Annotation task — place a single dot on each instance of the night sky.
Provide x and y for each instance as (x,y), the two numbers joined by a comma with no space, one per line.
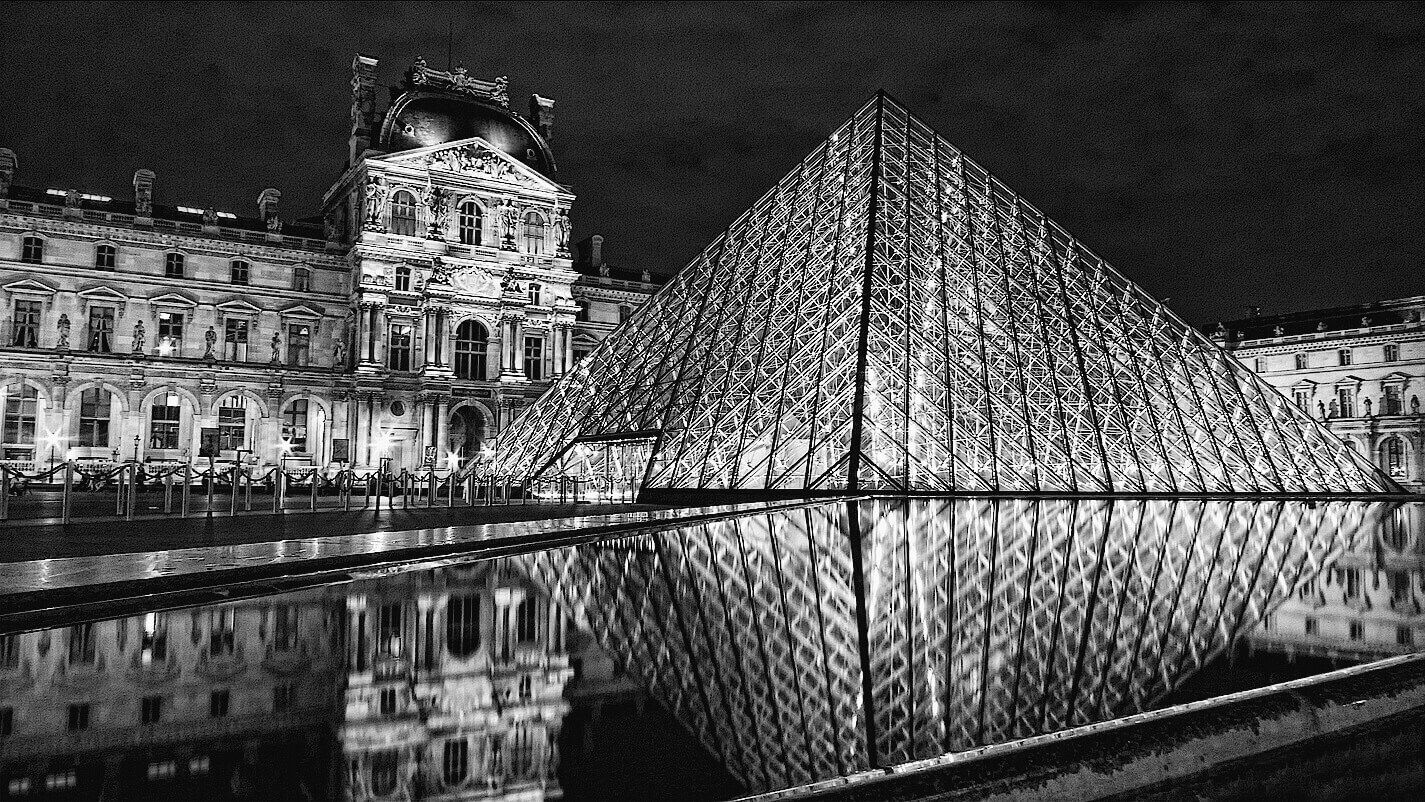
(1222,155)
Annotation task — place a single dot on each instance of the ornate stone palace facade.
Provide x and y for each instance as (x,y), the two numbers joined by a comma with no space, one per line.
(1360,369)
(435,296)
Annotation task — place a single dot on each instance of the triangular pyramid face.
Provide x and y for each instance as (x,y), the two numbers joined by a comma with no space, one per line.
(892,317)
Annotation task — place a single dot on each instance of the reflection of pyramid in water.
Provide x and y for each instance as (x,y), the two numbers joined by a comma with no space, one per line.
(891,316)
(984,620)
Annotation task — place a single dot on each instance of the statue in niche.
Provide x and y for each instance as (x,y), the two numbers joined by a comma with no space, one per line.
(139,337)
(561,232)
(509,219)
(63,344)
(440,271)
(1220,331)
(376,192)
(1366,322)
(276,348)
(210,338)
(508,284)
(437,201)
(339,356)
(1414,405)
(646,277)
(1368,407)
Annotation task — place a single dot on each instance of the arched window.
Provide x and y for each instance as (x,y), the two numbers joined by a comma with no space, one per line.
(32,250)
(533,233)
(462,625)
(1393,456)
(294,425)
(470,223)
(471,343)
(104,257)
(455,761)
(403,213)
(163,420)
(238,271)
(94,405)
(232,423)
(21,402)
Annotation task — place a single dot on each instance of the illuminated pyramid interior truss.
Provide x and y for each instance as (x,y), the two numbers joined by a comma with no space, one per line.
(890,316)
(787,642)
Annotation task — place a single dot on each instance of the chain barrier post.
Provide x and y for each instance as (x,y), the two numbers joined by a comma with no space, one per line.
(187,489)
(168,492)
(343,479)
(119,473)
(279,489)
(4,492)
(233,500)
(133,494)
(209,476)
(68,491)
(313,477)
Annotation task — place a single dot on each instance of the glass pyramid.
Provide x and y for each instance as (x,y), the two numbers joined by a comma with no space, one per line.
(891,317)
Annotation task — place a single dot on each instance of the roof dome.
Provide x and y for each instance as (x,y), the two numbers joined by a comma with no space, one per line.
(419,119)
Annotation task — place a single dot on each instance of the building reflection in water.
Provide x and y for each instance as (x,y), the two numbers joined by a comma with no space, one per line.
(444,684)
(786,643)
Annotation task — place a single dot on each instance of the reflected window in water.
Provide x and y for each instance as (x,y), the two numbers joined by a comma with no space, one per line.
(462,625)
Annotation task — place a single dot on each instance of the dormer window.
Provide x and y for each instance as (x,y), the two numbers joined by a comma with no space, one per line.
(238,271)
(104,257)
(33,250)
(403,213)
(173,265)
(533,233)
(470,223)
(403,278)
(302,279)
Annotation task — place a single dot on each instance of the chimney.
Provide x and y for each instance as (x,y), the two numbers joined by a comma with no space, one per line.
(363,105)
(8,165)
(143,195)
(596,250)
(541,112)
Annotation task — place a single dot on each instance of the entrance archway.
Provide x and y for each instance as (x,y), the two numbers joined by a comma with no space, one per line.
(466,432)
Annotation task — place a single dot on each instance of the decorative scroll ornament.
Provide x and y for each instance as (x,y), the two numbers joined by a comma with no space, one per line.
(501,93)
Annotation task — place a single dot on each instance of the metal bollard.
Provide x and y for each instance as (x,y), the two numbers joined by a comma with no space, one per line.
(430,489)
(279,489)
(68,491)
(313,477)
(232,502)
(187,488)
(168,493)
(119,473)
(133,494)
(4,492)
(210,476)
(343,480)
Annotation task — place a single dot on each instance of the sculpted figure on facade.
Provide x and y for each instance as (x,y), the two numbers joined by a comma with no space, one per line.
(509,219)
(561,232)
(274,225)
(437,202)
(63,343)
(210,216)
(339,356)
(210,338)
(139,337)
(376,192)
(276,348)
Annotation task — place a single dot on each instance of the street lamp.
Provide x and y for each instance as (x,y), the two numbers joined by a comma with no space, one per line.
(53,439)
(136,448)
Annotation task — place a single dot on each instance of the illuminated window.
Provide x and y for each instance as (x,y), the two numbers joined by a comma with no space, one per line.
(388,629)
(471,343)
(25,331)
(21,402)
(403,213)
(94,407)
(32,251)
(235,339)
(170,333)
(153,646)
(1393,456)
(302,279)
(533,233)
(173,265)
(232,423)
(104,257)
(470,223)
(164,419)
(294,425)
(238,271)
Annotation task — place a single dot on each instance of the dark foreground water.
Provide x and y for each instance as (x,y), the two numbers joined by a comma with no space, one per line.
(712,660)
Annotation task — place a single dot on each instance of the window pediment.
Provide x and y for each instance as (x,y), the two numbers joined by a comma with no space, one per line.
(29,286)
(301,311)
(103,293)
(239,307)
(173,299)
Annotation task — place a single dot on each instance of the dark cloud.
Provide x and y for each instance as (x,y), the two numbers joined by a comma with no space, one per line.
(1221,154)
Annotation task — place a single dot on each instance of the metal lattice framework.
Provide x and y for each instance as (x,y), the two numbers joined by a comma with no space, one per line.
(891,316)
(786,642)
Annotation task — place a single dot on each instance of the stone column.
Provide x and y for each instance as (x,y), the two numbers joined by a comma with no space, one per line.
(519,347)
(442,334)
(566,353)
(359,341)
(381,345)
(371,333)
(442,427)
(428,337)
(358,442)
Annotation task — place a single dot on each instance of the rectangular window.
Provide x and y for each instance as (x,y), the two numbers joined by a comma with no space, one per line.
(94,405)
(151,710)
(580,354)
(398,348)
(403,278)
(1391,403)
(284,628)
(1302,399)
(1392,353)
(222,632)
(1343,356)
(25,333)
(299,343)
(282,696)
(7,722)
(388,629)
(388,701)
(1259,365)
(153,648)
(9,651)
(534,358)
(101,329)
(79,717)
(21,402)
(104,257)
(1358,630)
(33,251)
(164,419)
(218,703)
(1345,403)
(235,339)
(1404,636)
(238,271)
(170,333)
(232,423)
(1301,362)
(82,644)
(1311,628)
(294,425)
(302,280)
(173,265)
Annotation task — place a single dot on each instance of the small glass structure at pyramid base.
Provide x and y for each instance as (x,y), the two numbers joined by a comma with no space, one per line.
(891,317)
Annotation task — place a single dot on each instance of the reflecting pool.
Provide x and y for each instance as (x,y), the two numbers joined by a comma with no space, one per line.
(728,657)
